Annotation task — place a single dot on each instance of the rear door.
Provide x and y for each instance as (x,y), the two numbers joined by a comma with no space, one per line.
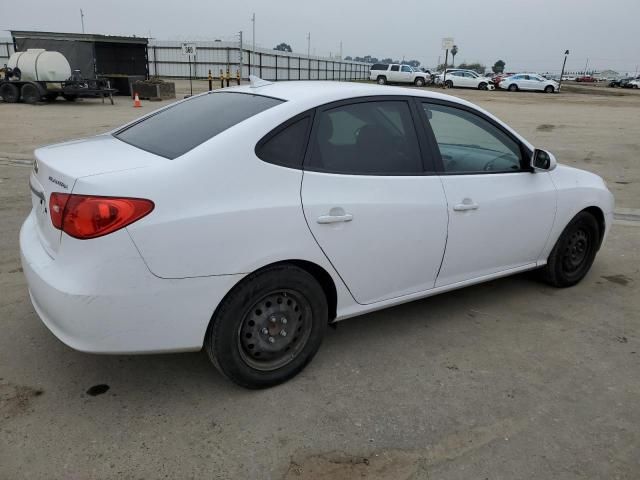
(394,73)
(378,217)
(500,213)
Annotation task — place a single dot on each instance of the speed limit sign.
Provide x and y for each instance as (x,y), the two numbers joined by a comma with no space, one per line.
(188,49)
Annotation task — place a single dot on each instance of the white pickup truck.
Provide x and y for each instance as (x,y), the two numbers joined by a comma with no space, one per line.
(396,73)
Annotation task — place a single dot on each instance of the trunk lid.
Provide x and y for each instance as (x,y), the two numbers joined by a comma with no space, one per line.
(57,167)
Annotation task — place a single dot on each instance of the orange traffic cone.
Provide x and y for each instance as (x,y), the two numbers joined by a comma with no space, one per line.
(136,101)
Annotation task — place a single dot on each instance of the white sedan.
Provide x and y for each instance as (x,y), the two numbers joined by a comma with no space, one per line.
(529,81)
(246,220)
(466,79)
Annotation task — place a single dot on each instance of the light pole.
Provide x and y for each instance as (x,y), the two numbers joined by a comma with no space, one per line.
(253,53)
(566,54)
(309,45)
(82,19)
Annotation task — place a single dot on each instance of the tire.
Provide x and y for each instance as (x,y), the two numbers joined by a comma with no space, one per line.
(31,94)
(574,252)
(513,87)
(549,89)
(419,82)
(482,86)
(448,84)
(635,86)
(9,93)
(245,340)
(381,80)
(69,97)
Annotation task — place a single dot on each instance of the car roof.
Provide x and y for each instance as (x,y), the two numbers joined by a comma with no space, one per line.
(321,92)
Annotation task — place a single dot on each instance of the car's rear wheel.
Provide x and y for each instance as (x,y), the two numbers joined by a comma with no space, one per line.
(548,89)
(419,82)
(449,84)
(513,87)
(574,252)
(268,327)
(382,80)
(482,86)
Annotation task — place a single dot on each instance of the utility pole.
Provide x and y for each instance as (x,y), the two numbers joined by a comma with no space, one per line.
(253,60)
(585,66)
(240,55)
(82,19)
(566,53)
(309,44)
(340,49)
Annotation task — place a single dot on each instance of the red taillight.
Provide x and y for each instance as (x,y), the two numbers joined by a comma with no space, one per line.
(87,216)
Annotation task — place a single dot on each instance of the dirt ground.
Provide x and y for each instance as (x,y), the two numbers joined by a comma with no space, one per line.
(507,380)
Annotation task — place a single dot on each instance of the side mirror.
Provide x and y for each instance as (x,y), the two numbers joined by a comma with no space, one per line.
(543,160)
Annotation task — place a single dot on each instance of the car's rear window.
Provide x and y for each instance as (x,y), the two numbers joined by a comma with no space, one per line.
(182,127)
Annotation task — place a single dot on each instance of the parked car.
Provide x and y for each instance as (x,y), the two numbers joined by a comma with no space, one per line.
(500,76)
(633,83)
(620,82)
(193,227)
(466,79)
(396,73)
(586,79)
(529,81)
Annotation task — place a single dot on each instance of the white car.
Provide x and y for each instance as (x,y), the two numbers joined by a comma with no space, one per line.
(529,81)
(245,220)
(396,73)
(466,79)
(634,83)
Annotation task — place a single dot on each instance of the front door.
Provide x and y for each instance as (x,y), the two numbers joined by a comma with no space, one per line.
(379,219)
(500,213)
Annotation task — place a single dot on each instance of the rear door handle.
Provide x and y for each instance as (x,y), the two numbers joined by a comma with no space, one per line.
(464,206)
(336,215)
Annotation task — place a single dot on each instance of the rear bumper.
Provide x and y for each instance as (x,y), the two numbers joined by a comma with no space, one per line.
(100,297)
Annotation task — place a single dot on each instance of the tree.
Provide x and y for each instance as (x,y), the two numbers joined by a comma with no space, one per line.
(283,47)
(386,60)
(454,52)
(498,67)
(413,63)
(348,58)
(476,67)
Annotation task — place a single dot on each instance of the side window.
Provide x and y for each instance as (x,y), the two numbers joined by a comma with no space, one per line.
(286,147)
(394,68)
(368,138)
(471,144)
(406,68)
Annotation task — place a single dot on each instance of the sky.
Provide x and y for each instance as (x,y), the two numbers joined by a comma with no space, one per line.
(527,35)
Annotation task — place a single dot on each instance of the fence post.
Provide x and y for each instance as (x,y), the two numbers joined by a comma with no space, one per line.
(260,56)
(288,67)
(309,68)
(299,68)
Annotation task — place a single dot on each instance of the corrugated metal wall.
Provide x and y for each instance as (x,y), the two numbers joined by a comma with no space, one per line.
(166,60)
(6,50)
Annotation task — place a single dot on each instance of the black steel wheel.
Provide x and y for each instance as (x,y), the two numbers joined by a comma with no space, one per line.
(574,252)
(268,327)
(31,93)
(9,93)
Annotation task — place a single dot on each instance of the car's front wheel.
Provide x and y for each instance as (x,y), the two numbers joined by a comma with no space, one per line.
(574,252)
(548,89)
(482,86)
(449,84)
(419,82)
(268,327)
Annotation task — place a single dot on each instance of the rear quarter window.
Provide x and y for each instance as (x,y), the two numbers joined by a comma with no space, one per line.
(174,131)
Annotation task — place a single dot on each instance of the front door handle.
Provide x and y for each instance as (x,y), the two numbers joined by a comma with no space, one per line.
(467,204)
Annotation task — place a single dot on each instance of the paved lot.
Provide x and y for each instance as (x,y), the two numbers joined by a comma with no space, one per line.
(507,380)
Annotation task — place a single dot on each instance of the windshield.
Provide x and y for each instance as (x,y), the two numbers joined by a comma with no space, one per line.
(174,131)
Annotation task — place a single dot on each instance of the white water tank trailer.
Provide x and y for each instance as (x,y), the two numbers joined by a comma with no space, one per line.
(36,75)
(38,65)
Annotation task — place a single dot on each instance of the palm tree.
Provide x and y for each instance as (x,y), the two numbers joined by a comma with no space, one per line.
(454,51)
